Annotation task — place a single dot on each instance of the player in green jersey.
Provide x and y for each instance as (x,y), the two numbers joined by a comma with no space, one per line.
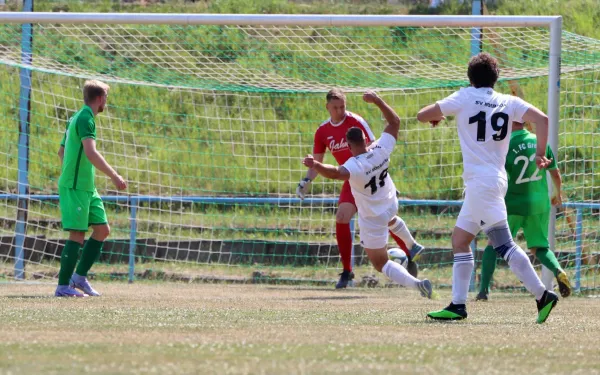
(528,207)
(80,204)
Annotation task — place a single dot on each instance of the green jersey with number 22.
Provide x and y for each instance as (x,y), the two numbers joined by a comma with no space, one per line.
(527,185)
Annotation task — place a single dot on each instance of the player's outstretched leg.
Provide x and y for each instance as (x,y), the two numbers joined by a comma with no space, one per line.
(412,267)
(488,266)
(398,227)
(397,273)
(520,264)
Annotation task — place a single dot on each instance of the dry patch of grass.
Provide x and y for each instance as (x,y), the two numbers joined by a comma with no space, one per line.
(173,328)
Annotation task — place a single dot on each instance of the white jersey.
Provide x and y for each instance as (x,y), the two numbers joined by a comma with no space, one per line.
(373,189)
(484,119)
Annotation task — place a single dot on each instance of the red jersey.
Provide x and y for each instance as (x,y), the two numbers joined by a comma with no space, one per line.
(333,136)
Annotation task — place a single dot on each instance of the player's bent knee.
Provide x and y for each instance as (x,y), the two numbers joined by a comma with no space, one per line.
(378,258)
(378,265)
(101,232)
(501,239)
(393,221)
(461,240)
(345,213)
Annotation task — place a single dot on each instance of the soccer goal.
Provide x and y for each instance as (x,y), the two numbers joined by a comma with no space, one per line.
(209,115)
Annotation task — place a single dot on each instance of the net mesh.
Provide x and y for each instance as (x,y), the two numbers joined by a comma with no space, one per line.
(206,122)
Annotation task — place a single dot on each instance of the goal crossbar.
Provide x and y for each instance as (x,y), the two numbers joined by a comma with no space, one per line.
(278,19)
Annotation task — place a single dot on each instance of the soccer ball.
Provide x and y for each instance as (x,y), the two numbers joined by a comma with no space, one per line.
(399,256)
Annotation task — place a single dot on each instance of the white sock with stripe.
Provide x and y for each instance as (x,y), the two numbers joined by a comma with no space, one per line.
(400,229)
(521,266)
(461,277)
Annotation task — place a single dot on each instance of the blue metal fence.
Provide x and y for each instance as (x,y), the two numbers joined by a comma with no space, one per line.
(133,203)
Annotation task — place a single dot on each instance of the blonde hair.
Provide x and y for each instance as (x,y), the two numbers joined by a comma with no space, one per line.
(93,89)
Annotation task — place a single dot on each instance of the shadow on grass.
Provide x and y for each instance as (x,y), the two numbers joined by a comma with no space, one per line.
(31,297)
(307,288)
(329,298)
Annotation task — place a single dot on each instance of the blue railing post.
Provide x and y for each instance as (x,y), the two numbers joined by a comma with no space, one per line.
(352,233)
(474,273)
(133,206)
(23,149)
(476,10)
(578,249)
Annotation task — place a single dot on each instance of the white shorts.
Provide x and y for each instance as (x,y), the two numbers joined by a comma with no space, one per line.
(483,205)
(374,231)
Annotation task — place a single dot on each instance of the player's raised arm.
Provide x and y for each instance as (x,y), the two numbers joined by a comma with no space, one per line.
(391,117)
(541,129)
(326,170)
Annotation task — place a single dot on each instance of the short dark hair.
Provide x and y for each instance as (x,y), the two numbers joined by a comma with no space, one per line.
(335,94)
(483,70)
(355,136)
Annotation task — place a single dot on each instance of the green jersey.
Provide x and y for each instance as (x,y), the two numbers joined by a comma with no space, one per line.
(77,170)
(527,192)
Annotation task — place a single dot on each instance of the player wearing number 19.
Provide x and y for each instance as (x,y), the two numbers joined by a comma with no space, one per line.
(374,192)
(80,204)
(483,119)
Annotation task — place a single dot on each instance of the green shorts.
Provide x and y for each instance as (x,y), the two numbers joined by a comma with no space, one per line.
(535,229)
(79,209)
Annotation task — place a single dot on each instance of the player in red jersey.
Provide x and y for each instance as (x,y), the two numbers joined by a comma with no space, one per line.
(331,135)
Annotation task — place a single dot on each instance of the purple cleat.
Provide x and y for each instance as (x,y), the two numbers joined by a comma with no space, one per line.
(67,291)
(81,283)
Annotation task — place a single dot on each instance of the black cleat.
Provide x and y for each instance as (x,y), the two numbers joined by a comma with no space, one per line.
(481,296)
(452,312)
(545,305)
(413,268)
(345,278)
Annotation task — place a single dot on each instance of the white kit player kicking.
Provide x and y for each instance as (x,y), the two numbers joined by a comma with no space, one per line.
(483,119)
(375,194)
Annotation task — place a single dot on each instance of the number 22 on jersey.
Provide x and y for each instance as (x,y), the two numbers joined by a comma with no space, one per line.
(534,177)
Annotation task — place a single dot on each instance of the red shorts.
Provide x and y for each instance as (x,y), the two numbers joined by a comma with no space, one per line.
(346,194)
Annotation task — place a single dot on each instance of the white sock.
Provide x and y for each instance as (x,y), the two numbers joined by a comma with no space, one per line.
(521,266)
(461,277)
(400,229)
(399,274)
(547,278)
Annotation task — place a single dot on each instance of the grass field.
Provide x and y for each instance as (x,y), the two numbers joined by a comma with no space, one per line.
(172,328)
